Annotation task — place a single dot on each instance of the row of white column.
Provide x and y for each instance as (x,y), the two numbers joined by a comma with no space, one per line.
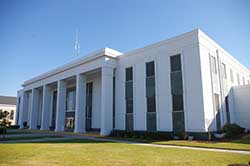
(106,104)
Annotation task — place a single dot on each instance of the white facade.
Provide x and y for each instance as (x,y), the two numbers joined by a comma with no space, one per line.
(105,70)
(8,104)
(240,106)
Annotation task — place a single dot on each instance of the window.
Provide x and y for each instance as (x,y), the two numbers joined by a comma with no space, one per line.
(11,114)
(1,111)
(177,101)
(231,75)
(177,94)
(129,74)
(238,78)
(129,106)
(150,96)
(244,81)
(213,64)
(89,98)
(150,69)
(175,62)
(217,110)
(150,86)
(223,70)
(151,104)
(71,97)
(176,82)
(129,98)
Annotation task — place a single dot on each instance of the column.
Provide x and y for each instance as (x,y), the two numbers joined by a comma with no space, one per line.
(23,111)
(80,104)
(34,108)
(46,106)
(107,101)
(61,104)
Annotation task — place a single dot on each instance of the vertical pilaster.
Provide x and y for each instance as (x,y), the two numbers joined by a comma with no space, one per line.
(46,106)
(23,112)
(107,101)
(61,104)
(80,104)
(34,108)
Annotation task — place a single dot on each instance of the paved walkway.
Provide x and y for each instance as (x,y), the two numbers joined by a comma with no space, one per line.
(81,136)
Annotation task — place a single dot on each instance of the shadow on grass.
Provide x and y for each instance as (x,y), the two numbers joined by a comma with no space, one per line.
(64,141)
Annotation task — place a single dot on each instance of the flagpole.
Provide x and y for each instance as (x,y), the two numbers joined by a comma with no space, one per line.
(77,44)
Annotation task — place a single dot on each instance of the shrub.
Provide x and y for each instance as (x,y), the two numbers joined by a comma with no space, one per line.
(3,130)
(232,130)
(25,124)
(14,127)
(142,135)
(182,135)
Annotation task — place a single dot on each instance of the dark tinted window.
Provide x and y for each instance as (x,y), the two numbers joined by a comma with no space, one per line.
(129,122)
(177,101)
(129,105)
(151,121)
(151,104)
(176,82)
(150,69)
(11,114)
(175,62)
(150,86)
(129,90)
(178,122)
(129,74)
(71,99)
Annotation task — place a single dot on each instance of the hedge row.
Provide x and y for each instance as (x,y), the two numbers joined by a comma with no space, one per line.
(142,135)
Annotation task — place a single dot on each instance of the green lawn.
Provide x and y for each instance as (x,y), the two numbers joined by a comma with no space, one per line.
(241,144)
(86,153)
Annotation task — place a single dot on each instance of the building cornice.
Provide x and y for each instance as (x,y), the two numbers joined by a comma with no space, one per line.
(87,58)
(212,42)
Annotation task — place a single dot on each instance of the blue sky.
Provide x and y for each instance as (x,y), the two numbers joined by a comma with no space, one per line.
(36,36)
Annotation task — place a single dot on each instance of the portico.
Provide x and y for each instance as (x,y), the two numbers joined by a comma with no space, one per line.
(63,98)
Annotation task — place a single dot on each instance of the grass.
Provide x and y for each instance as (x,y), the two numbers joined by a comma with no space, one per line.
(19,132)
(94,153)
(239,144)
(29,138)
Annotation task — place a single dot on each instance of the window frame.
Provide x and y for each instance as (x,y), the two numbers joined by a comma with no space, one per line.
(224,70)
(232,75)
(69,97)
(213,65)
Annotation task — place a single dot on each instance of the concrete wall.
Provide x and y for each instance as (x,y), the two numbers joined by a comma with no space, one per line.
(96,105)
(214,83)
(240,105)
(187,46)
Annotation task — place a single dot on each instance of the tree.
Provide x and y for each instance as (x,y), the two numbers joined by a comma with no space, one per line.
(3,115)
(4,122)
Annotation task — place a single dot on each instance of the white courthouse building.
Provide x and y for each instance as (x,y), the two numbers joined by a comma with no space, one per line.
(176,85)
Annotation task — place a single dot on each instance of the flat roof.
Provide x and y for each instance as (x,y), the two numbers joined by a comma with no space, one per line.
(99,53)
(8,100)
